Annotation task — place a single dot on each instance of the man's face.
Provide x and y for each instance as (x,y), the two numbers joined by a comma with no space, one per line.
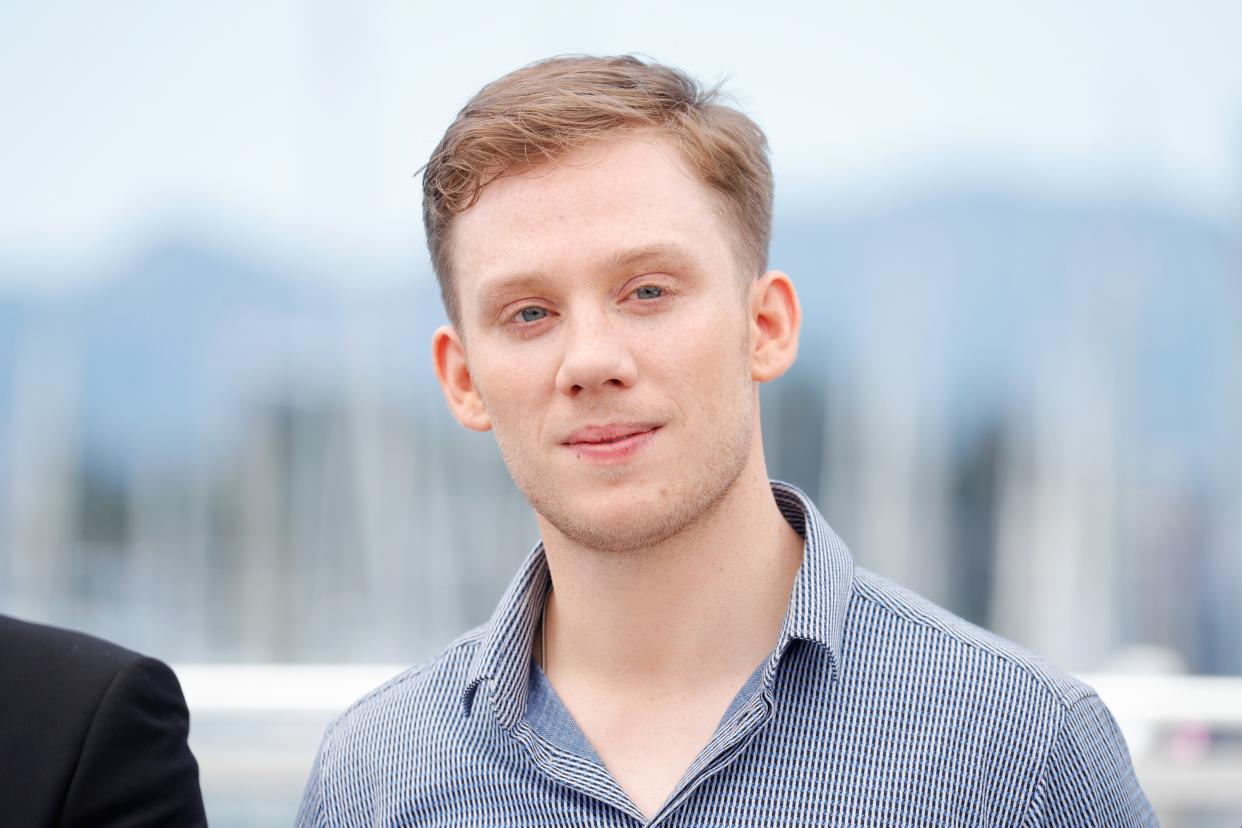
(605,328)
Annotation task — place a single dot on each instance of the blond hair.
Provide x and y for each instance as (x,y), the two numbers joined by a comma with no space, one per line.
(545,110)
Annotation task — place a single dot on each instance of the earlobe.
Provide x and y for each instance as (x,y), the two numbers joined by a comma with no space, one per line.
(776,322)
(449,357)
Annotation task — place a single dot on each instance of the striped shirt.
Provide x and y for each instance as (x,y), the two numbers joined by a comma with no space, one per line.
(876,708)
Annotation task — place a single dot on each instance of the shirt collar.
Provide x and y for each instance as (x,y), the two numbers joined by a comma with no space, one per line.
(503,656)
(816,610)
(822,588)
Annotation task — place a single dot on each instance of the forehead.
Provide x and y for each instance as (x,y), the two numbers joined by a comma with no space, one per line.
(580,211)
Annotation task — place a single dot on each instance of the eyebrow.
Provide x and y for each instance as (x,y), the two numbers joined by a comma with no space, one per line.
(494,291)
(660,250)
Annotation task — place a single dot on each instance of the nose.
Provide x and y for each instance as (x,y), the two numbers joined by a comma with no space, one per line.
(596,357)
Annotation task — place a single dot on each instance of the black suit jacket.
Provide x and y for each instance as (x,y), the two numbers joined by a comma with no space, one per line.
(91,734)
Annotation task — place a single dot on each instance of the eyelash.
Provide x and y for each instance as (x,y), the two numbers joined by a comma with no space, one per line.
(515,322)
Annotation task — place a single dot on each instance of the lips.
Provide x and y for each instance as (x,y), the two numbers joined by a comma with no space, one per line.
(612,433)
(612,444)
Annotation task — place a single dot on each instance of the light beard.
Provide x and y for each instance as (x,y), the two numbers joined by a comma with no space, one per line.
(688,502)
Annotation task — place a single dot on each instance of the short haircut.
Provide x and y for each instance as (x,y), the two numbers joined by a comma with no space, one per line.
(543,111)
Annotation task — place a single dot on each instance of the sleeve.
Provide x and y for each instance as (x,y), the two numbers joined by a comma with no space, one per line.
(136,768)
(1087,777)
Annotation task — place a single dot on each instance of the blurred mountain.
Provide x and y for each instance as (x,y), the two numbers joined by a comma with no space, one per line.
(170,344)
(1006,279)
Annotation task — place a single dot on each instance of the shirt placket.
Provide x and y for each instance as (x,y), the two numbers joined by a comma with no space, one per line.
(575,772)
(594,780)
(725,748)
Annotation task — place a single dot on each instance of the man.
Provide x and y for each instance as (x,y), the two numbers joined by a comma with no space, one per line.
(91,734)
(690,644)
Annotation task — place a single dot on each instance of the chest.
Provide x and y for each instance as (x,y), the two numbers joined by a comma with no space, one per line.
(839,770)
(648,746)
(818,758)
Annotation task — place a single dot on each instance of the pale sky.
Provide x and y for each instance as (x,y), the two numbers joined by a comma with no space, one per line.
(297,126)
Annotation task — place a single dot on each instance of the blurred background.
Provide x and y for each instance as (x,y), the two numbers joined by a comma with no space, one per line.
(1017,236)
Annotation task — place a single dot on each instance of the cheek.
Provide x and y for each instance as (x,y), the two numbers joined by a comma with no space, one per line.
(719,347)
(510,388)
(711,364)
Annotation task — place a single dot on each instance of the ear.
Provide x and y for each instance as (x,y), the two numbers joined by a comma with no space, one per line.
(775,323)
(449,356)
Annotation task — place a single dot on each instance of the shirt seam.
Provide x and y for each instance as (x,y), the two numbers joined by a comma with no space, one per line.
(1040,779)
(865,592)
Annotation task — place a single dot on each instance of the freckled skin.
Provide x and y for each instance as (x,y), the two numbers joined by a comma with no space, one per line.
(610,348)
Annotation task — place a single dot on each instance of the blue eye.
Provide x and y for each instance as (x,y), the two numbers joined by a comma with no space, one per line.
(649,292)
(532,314)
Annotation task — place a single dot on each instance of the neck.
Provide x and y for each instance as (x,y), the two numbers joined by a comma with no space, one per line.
(706,603)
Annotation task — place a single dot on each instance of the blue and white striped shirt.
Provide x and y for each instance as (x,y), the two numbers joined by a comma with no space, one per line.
(876,708)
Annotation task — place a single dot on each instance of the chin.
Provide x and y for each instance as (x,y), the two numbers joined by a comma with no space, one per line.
(629,518)
(616,536)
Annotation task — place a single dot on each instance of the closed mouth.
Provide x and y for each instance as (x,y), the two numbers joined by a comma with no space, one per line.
(607,434)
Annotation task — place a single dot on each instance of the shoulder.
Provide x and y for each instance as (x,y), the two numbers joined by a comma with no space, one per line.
(405,751)
(929,640)
(404,712)
(135,758)
(1041,737)
(401,737)
(101,730)
(62,675)
(39,652)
